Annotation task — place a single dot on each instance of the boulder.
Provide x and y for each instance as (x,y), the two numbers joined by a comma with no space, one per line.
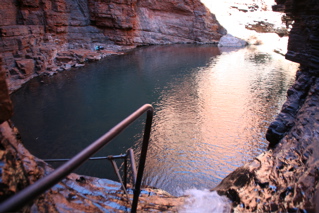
(26,66)
(231,41)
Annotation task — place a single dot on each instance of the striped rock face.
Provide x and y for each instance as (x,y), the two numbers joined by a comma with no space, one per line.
(34,33)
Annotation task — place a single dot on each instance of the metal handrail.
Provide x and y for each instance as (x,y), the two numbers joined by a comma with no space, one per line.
(31,192)
(111,158)
(92,158)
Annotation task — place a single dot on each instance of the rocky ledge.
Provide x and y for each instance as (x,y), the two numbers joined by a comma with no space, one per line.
(46,36)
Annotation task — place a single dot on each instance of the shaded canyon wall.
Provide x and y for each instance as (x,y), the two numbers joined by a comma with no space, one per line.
(42,36)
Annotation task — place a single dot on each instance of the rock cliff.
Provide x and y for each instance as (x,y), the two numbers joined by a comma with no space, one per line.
(285,178)
(303,48)
(45,36)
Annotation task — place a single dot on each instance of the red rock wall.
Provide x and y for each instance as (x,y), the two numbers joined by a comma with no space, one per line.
(34,32)
(156,22)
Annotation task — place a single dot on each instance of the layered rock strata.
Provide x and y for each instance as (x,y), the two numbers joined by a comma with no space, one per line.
(285,178)
(54,35)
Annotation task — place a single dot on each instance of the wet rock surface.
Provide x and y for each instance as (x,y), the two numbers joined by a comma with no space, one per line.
(285,178)
(296,96)
(34,34)
(282,179)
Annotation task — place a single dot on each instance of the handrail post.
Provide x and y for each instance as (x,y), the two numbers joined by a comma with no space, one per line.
(133,165)
(25,196)
(147,132)
(125,172)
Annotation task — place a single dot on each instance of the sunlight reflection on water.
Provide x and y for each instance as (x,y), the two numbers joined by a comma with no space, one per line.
(212,109)
(214,119)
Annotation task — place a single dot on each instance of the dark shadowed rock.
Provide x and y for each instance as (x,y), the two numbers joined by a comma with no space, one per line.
(285,178)
(6,109)
(295,99)
(302,48)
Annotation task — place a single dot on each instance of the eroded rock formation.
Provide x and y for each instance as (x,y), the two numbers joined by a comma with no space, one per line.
(285,178)
(303,48)
(54,35)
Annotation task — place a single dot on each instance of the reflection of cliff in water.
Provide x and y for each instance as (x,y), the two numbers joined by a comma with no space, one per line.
(70,110)
(211,110)
(214,123)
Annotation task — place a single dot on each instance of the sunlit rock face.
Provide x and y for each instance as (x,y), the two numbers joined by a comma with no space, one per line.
(285,178)
(156,22)
(34,33)
(253,21)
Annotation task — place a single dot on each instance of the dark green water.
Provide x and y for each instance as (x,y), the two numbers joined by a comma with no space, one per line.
(212,109)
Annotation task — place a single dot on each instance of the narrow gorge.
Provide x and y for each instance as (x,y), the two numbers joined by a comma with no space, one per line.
(45,37)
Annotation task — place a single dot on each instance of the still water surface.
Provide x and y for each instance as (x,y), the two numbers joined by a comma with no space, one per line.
(212,109)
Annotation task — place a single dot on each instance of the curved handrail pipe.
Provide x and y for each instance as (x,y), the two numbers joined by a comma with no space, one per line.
(31,192)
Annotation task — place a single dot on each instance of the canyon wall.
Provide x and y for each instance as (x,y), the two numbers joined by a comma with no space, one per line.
(46,36)
(303,48)
(286,177)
